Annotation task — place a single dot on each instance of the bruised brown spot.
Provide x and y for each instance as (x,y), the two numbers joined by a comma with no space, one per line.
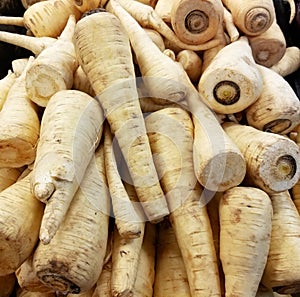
(235,218)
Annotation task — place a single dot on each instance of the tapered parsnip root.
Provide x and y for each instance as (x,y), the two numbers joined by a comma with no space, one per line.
(245,235)
(20,126)
(251,17)
(170,273)
(272,160)
(196,22)
(54,68)
(277,109)
(73,260)
(282,273)
(268,47)
(12,21)
(231,85)
(229,25)
(20,219)
(71,129)
(49,18)
(99,40)
(289,63)
(163,9)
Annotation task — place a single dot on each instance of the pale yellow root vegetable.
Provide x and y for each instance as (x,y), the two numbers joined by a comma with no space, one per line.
(25,293)
(20,220)
(272,160)
(277,109)
(170,133)
(54,68)
(99,40)
(282,271)
(196,22)
(295,191)
(7,284)
(143,286)
(27,278)
(229,25)
(73,260)
(156,38)
(18,65)
(20,126)
(103,285)
(170,53)
(252,17)
(289,63)
(82,83)
(12,21)
(192,64)
(230,85)
(71,128)
(128,218)
(163,9)
(292,10)
(125,260)
(49,18)
(147,17)
(245,235)
(86,5)
(170,272)
(268,47)
(8,176)
(5,84)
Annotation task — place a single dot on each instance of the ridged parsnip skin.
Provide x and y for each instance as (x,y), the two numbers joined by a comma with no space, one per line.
(282,271)
(54,67)
(48,18)
(8,176)
(170,272)
(245,235)
(5,83)
(230,85)
(128,218)
(170,133)
(73,260)
(272,160)
(277,109)
(251,17)
(104,53)
(81,82)
(195,22)
(269,47)
(20,219)
(7,284)
(295,191)
(103,285)
(144,281)
(125,260)
(20,126)
(71,128)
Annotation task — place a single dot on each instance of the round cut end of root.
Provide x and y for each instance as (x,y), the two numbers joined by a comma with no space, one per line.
(257,20)
(227,92)
(196,21)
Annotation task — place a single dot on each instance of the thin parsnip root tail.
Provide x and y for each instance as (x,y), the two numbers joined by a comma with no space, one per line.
(99,40)
(272,160)
(230,85)
(282,273)
(229,25)
(64,152)
(245,235)
(277,109)
(20,126)
(73,260)
(12,21)
(53,69)
(21,216)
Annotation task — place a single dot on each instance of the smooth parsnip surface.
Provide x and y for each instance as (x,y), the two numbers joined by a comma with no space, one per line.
(104,53)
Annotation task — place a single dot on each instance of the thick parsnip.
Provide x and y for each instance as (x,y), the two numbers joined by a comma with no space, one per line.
(73,260)
(245,235)
(8,176)
(99,40)
(71,129)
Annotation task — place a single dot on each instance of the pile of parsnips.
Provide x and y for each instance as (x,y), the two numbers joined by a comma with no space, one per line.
(142,157)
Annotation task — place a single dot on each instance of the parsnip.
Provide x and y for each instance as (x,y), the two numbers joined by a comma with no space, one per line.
(5,84)
(8,176)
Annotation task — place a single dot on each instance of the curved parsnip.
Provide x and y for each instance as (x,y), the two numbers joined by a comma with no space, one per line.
(71,129)
(196,22)
(20,126)
(245,235)
(277,109)
(5,83)
(99,40)
(20,219)
(54,68)
(73,260)
(230,85)
(272,160)
(282,271)
(252,17)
